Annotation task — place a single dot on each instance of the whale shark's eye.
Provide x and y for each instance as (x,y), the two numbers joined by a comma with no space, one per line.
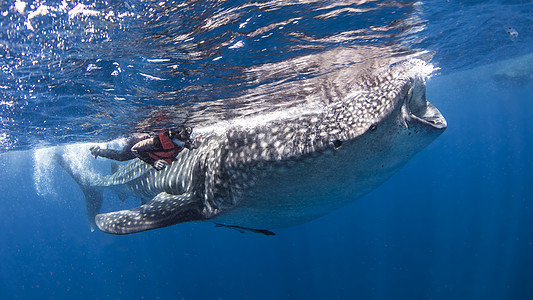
(373,127)
(337,143)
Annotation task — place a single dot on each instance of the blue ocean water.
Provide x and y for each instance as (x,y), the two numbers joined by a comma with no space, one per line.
(454,223)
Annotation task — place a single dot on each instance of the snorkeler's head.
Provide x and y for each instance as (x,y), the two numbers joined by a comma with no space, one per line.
(181,133)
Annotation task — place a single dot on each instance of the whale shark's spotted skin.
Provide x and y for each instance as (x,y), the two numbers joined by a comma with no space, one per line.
(287,169)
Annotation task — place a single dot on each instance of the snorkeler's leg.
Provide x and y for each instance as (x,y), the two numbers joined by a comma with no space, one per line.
(119,155)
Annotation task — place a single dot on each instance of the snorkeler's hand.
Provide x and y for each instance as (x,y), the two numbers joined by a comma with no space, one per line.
(95,150)
(160,164)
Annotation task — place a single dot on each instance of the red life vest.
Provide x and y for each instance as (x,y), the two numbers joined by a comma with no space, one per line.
(170,150)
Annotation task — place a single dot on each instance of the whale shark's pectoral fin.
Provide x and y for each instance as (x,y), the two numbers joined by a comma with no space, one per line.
(164,210)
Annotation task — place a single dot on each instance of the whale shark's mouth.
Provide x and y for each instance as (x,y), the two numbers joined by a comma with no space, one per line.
(419,109)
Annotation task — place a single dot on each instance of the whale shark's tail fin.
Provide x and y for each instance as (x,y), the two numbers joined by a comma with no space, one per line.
(93,195)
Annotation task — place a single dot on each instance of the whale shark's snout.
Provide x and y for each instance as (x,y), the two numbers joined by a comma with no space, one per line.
(417,110)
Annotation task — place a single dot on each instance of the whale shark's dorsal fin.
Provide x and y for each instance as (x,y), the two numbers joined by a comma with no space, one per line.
(164,210)
(114,167)
(122,197)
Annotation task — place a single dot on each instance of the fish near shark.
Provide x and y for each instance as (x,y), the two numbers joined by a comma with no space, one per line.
(282,168)
(244,229)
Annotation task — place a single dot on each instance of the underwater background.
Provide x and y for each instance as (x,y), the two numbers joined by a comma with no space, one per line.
(455,223)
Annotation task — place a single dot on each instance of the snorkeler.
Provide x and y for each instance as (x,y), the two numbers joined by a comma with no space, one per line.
(157,150)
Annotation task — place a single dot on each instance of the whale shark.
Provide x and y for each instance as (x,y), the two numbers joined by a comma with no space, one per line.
(281,168)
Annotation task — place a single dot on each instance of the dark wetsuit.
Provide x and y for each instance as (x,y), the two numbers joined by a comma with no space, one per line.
(126,153)
(147,147)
